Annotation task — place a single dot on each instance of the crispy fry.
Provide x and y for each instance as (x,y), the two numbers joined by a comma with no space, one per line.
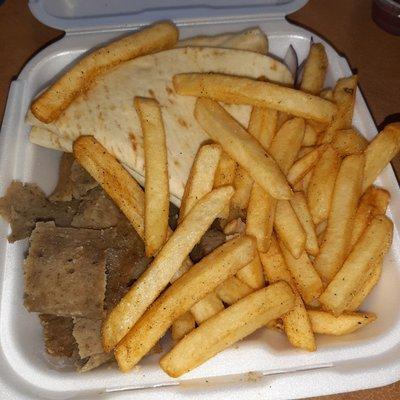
(287,143)
(304,274)
(336,244)
(206,308)
(200,280)
(327,324)
(373,202)
(232,290)
(300,207)
(380,151)
(50,104)
(349,141)
(304,150)
(182,326)
(314,71)
(242,147)
(201,178)
(239,90)
(113,178)
(327,94)
(252,274)
(146,289)
(227,327)
(304,165)
(310,136)
(322,183)
(306,181)
(282,118)
(289,229)
(260,217)
(359,265)
(240,199)
(262,125)
(156,210)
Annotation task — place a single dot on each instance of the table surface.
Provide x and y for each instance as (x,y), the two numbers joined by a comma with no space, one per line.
(346,24)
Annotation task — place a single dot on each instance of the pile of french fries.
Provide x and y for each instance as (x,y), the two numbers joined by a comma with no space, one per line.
(306,228)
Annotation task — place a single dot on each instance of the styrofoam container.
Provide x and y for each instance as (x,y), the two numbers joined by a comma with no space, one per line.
(263,365)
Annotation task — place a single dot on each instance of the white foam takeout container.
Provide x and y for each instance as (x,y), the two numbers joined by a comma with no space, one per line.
(263,365)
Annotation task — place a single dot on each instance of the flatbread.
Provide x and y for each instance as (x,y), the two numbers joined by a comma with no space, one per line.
(106,110)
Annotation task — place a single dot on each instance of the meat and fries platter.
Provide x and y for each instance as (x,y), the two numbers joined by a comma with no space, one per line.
(196,210)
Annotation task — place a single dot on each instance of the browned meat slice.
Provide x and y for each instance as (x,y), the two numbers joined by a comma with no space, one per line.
(210,241)
(58,338)
(97,211)
(82,181)
(94,361)
(87,336)
(25,204)
(65,271)
(63,190)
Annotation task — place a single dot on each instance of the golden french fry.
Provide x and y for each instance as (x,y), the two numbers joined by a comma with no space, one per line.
(232,290)
(304,165)
(366,289)
(310,136)
(289,229)
(201,178)
(260,216)
(207,307)
(327,324)
(240,199)
(156,195)
(349,141)
(287,142)
(304,150)
(50,104)
(300,207)
(304,274)
(227,327)
(336,243)
(168,260)
(322,182)
(327,94)
(373,202)
(252,274)
(262,125)
(306,181)
(113,178)
(380,151)
(314,71)
(238,90)
(182,326)
(200,280)
(281,119)
(359,265)
(242,147)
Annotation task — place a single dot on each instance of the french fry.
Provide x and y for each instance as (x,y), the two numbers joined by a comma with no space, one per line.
(207,307)
(252,274)
(304,274)
(242,147)
(113,178)
(300,207)
(240,199)
(349,141)
(156,194)
(232,290)
(359,265)
(373,202)
(346,194)
(239,90)
(287,143)
(310,136)
(322,183)
(296,323)
(327,324)
(366,289)
(282,118)
(201,178)
(262,125)
(200,280)
(260,217)
(50,104)
(227,327)
(327,94)
(380,151)
(150,284)
(304,165)
(314,71)
(225,175)
(182,326)
(304,150)
(289,229)
(306,180)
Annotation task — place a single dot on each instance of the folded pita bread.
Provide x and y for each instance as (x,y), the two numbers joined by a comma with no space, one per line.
(106,110)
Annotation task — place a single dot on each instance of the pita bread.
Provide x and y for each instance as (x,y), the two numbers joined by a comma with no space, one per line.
(106,110)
